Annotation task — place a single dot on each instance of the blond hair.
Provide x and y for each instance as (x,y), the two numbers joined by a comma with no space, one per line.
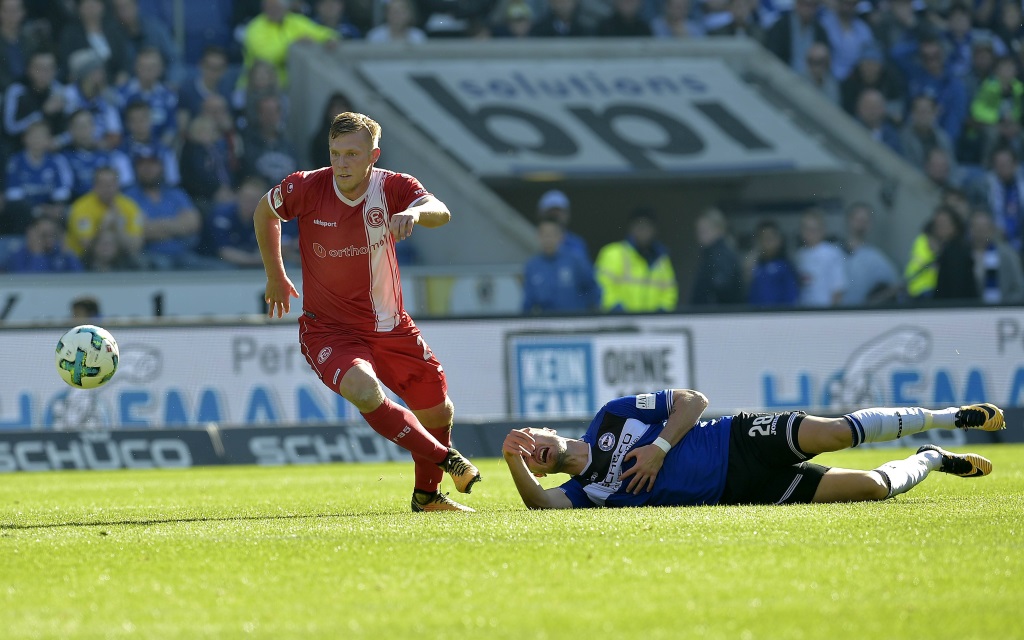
(349,122)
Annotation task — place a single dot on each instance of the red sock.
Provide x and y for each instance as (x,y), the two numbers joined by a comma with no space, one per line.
(398,424)
(428,474)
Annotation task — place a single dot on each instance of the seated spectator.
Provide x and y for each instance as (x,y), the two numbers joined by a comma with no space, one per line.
(517,20)
(1005,193)
(89,90)
(105,209)
(399,25)
(562,20)
(172,223)
(959,37)
(85,309)
(718,278)
(984,54)
(819,72)
(84,155)
(871,114)
(624,21)
(555,280)
(922,133)
(147,87)
(230,229)
(110,250)
(554,204)
(268,151)
(924,66)
(1006,134)
(736,20)
(674,21)
(1009,26)
(848,36)
(37,97)
(143,34)
(42,251)
(997,268)
(95,30)
(319,152)
(820,264)
(16,42)
(216,108)
(955,262)
(139,140)
(871,277)
(331,14)
(773,279)
(871,72)
(269,35)
(794,32)
(205,172)
(261,82)
(636,274)
(211,79)
(38,182)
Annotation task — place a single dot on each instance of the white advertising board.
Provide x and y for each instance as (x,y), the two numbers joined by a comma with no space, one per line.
(588,116)
(559,368)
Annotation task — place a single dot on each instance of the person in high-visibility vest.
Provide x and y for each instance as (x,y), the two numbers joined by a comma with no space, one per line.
(636,274)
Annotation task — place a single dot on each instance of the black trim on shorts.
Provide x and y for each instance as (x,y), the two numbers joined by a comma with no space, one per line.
(766,464)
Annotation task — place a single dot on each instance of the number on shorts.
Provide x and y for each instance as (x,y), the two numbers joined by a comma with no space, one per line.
(427,353)
(761,426)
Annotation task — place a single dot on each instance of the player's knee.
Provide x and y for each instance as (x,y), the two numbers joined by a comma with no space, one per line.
(874,486)
(361,388)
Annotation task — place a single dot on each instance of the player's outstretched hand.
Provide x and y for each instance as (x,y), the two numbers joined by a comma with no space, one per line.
(402,224)
(648,463)
(518,443)
(278,296)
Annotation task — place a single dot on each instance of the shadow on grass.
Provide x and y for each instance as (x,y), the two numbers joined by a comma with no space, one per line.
(146,522)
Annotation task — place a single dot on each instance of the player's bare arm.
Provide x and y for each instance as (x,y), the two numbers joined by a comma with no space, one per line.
(517,444)
(426,212)
(280,289)
(687,407)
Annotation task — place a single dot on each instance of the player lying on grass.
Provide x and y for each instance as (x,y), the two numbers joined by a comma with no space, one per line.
(650,449)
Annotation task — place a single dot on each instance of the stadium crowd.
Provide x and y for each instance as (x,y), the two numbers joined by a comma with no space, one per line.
(126,147)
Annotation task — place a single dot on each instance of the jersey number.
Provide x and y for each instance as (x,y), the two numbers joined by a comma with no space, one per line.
(761,426)
(427,353)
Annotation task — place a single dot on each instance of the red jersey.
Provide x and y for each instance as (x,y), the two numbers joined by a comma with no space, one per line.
(349,271)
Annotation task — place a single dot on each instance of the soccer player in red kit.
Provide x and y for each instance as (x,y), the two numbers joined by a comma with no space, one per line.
(354,330)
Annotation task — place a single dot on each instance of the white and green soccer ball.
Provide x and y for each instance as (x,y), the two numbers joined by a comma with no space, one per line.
(87,357)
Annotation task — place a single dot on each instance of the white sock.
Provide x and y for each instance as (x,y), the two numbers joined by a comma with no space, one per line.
(882,425)
(904,475)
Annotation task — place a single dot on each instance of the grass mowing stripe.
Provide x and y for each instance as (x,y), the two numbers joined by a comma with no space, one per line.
(331,551)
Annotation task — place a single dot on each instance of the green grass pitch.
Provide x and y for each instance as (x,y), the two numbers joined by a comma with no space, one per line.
(333,552)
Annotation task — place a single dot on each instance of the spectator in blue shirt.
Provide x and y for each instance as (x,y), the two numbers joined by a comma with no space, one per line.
(139,140)
(871,114)
(924,65)
(773,279)
(554,204)
(172,223)
(42,251)
(38,181)
(210,79)
(230,232)
(556,280)
(331,13)
(84,155)
(140,34)
(1005,193)
(848,36)
(15,42)
(147,87)
(89,90)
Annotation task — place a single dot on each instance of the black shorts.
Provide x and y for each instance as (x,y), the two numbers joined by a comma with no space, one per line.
(766,466)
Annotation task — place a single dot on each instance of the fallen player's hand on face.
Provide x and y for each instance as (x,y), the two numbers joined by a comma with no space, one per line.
(518,443)
(402,224)
(648,463)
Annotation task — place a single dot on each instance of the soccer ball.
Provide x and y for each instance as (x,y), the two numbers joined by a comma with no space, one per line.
(87,357)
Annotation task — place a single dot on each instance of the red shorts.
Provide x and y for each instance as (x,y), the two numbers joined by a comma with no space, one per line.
(400,358)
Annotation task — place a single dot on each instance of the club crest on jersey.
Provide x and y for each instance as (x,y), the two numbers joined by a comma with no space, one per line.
(374,216)
(278,198)
(319,250)
(606,442)
(323,355)
(290,187)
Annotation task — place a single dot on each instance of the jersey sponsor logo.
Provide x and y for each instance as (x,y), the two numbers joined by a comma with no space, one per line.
(607,442)
(324,223)
(323,355)
(319,250)
(349,251)
(374,216)
(277,197)
(645,401)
